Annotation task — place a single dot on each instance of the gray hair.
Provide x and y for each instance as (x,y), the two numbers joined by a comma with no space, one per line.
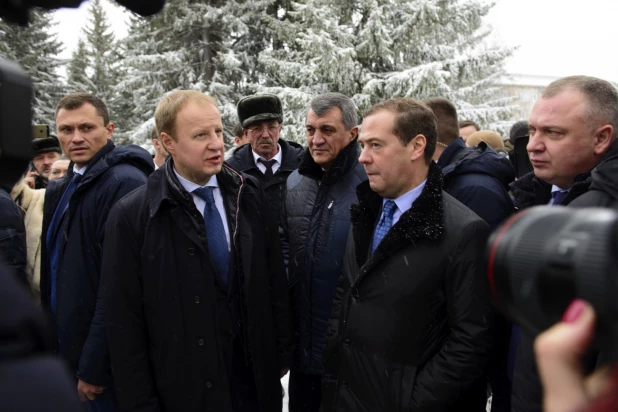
(601,96)
(324,102)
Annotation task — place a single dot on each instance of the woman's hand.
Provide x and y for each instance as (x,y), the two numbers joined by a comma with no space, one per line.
(559,353)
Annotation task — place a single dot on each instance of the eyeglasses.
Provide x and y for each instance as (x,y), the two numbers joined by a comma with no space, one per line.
(272,129)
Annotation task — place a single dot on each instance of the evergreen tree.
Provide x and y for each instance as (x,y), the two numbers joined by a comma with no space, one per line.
(207,45)
(370,50)
(374,50)
(77,77)
(36,49)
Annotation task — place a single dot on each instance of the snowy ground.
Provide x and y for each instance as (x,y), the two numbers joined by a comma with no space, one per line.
(284,382)
(285,379)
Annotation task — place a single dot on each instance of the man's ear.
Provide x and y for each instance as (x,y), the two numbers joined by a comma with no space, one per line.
(603,139)
(417,147)
(110,130)
(168,143)
(353,133)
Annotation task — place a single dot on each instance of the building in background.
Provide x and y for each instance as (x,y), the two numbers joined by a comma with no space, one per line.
(525,90)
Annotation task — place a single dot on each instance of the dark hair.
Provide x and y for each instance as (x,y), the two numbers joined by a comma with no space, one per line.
(324,102)
(601,96)
(74,101)
(446,116)
(412,117)
(238,131)
(466,123)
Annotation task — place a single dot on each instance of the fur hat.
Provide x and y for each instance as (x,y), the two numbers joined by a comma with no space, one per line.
(45,145)
(252,109)
(519,129)
(493,139)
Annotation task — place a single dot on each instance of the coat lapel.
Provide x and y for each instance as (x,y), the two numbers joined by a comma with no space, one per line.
(424,220)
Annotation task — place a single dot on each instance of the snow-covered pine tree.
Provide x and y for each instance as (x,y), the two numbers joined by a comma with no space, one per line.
(373,50)
(36,49)
(207,45)
(77,76)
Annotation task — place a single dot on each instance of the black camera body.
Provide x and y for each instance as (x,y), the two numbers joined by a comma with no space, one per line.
(15,126)
(544,257)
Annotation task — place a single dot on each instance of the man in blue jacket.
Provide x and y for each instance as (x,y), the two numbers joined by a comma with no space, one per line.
(316,222)
(477,176)
(75,212)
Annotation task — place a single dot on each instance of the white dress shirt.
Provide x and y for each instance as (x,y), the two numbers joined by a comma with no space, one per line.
(200,203)
(405,201)
(277,157)
(79,171)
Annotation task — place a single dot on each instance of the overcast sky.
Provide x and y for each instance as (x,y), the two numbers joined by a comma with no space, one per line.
(555,37)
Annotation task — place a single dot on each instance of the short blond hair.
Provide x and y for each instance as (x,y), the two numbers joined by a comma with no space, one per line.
(170,105)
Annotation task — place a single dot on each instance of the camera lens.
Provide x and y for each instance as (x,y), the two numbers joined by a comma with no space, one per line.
(543,258)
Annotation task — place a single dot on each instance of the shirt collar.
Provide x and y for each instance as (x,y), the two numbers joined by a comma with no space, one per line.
(555,189)
(405,201)
(277,157)
(189,186)
(79,171)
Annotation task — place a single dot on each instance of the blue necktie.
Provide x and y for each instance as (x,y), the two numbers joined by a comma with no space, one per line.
(558,197)
(384,224)
(215,234)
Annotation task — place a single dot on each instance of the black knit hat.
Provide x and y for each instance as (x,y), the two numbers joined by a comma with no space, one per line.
(519,129)
(252,109)
(46,145)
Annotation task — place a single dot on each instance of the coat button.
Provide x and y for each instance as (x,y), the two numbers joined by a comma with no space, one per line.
(209,384)
(191,251)
(347,342)
(197,299)
(200,342)
(345,384)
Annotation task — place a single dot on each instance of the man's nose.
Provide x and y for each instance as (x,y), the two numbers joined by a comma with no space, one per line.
(364,157)
(535,143)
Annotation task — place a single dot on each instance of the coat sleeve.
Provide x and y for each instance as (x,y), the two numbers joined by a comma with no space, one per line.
(284,234)
(279,290)
(124,315)
(462,358)
(94,361)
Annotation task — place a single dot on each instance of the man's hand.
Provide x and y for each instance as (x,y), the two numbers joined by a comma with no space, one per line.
(87,391)
(284,372)
(30,176)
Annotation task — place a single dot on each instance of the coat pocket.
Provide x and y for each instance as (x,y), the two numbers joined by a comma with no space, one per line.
(402,381)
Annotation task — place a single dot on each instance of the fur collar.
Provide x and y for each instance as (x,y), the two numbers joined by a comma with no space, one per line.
(344,162)
(424,220)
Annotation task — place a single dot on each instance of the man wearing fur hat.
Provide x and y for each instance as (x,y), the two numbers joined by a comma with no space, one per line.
(267,157)
(46,151)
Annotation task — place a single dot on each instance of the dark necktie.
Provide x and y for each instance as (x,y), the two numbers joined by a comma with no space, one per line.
(558,197)
(215,234)
(56,226)
(384,224)
(269,167)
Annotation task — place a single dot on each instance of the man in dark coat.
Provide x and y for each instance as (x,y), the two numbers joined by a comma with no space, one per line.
(412,317)
(476,176)
(574,153)
(316,222)
(267,158)
(13,237)
(196,299)
(479,178)
(75,212)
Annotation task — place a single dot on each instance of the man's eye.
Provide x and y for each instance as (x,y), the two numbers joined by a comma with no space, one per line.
(375,145)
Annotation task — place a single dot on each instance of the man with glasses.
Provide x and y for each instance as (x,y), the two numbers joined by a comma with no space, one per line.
(267,157)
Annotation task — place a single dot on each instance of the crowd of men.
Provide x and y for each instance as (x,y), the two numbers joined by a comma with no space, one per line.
(188,282)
